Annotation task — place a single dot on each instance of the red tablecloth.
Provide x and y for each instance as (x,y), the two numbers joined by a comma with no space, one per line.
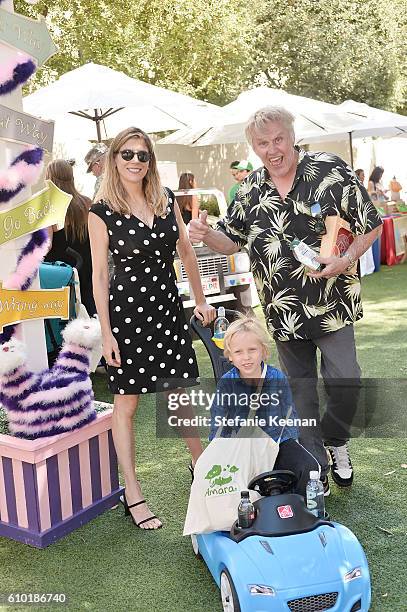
(388,254)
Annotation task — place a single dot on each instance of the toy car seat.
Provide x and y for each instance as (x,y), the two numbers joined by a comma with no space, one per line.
(220,364)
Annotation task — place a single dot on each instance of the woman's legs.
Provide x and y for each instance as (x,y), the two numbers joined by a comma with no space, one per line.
(124,409)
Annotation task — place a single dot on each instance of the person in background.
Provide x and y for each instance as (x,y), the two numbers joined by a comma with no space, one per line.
(95,161)
(360,173)
(243,169)
(395,189)
(233,167)
(188,204)
(375,187)
(75,231)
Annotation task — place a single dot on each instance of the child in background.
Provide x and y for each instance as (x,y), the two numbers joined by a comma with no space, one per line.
(246,346)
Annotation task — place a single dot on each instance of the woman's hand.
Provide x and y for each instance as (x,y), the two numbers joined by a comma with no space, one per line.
(111,350)
(205,313)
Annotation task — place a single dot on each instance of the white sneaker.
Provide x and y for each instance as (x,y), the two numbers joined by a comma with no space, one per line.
(341,465)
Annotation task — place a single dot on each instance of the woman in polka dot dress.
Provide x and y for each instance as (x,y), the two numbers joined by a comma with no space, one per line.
(145,336)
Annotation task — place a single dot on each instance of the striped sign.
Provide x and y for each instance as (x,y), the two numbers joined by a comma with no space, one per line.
(45,498)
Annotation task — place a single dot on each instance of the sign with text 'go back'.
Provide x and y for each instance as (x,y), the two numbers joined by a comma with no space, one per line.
(45,208)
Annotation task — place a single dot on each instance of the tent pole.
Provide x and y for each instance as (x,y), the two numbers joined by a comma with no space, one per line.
(97,120)
(351,149)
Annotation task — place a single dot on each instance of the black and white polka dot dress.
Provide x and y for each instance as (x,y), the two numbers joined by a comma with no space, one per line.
(146,313)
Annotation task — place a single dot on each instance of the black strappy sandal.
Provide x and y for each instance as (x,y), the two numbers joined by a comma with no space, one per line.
(191,469)
(127,512)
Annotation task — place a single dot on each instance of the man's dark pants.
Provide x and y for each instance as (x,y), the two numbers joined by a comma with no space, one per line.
(341,374)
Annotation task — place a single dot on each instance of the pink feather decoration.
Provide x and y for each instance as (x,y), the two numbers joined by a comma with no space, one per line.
(27,267)
(8,67)
(21,172)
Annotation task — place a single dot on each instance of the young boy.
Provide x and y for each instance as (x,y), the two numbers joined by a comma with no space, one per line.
(246,346)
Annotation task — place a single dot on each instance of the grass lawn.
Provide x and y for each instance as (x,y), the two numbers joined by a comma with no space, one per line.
(111,565)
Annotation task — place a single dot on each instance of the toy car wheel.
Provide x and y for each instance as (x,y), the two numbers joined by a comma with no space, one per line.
(230,600)
(195,546)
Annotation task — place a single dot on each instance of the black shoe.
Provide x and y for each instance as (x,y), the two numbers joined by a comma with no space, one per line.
(127,512)
(191,469)
(341,465)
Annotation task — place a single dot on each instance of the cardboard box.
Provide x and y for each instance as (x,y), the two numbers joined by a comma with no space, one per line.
(337,239)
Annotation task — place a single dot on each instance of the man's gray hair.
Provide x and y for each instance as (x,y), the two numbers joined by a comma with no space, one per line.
(269,113)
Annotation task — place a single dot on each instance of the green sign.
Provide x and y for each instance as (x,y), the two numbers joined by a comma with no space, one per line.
(25,34)
(45,208)
(20,127)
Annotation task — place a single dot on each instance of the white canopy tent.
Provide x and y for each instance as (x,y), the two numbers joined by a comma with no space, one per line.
(313,119)
(377,122)
(112,101)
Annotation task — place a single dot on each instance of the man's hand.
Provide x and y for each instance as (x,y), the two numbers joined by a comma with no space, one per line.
(198,228)
(333,267)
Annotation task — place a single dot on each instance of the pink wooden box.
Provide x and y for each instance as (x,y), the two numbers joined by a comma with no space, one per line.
(51,486)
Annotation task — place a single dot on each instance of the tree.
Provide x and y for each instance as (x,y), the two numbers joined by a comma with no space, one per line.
(199,47)
(334,50)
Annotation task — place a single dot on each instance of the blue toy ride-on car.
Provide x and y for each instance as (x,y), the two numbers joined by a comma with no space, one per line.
(288,559)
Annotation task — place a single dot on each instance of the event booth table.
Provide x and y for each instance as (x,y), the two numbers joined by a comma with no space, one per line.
(392,241)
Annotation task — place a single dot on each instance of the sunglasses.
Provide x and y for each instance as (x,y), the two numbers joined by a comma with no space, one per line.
(142,156)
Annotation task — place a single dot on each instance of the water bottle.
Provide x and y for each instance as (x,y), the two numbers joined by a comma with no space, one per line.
(221,324)
(315,495)
(246,512)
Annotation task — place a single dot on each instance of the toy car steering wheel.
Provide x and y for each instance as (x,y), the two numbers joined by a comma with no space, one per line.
(273,483)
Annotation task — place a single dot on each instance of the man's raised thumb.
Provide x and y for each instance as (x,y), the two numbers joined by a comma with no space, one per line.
(202,216)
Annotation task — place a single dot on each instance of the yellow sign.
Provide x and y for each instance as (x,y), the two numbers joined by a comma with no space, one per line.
(18,306)
(45,208)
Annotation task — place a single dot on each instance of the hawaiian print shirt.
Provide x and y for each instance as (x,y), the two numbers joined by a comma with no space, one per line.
(297,306)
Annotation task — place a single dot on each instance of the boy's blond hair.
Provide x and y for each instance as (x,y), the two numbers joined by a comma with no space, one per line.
(246,324)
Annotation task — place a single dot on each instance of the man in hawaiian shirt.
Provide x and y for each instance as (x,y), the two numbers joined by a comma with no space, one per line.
(289,198)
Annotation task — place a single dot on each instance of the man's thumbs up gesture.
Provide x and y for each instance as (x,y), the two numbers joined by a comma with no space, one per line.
(198,228)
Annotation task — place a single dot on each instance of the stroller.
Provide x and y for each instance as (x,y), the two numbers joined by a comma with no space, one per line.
(220,364)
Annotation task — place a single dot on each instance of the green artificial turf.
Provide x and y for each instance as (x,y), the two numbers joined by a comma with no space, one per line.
(109,564)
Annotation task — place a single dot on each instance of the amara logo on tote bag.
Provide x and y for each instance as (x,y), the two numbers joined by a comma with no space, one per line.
(221,480)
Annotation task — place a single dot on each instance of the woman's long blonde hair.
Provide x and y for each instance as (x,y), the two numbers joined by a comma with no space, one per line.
(60,173)
(112,190)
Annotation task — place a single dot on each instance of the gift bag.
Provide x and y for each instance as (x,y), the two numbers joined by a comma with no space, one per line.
(224,469)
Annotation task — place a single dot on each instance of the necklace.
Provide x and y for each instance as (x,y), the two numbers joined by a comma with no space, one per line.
(142,212)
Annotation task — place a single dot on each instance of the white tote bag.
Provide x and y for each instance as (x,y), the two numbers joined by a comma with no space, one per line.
(224,469)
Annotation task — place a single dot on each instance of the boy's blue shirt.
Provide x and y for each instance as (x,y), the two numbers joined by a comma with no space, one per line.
(276,387)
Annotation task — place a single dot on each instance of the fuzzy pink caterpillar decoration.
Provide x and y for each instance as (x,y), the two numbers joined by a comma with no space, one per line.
(15,72)
(54,401)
